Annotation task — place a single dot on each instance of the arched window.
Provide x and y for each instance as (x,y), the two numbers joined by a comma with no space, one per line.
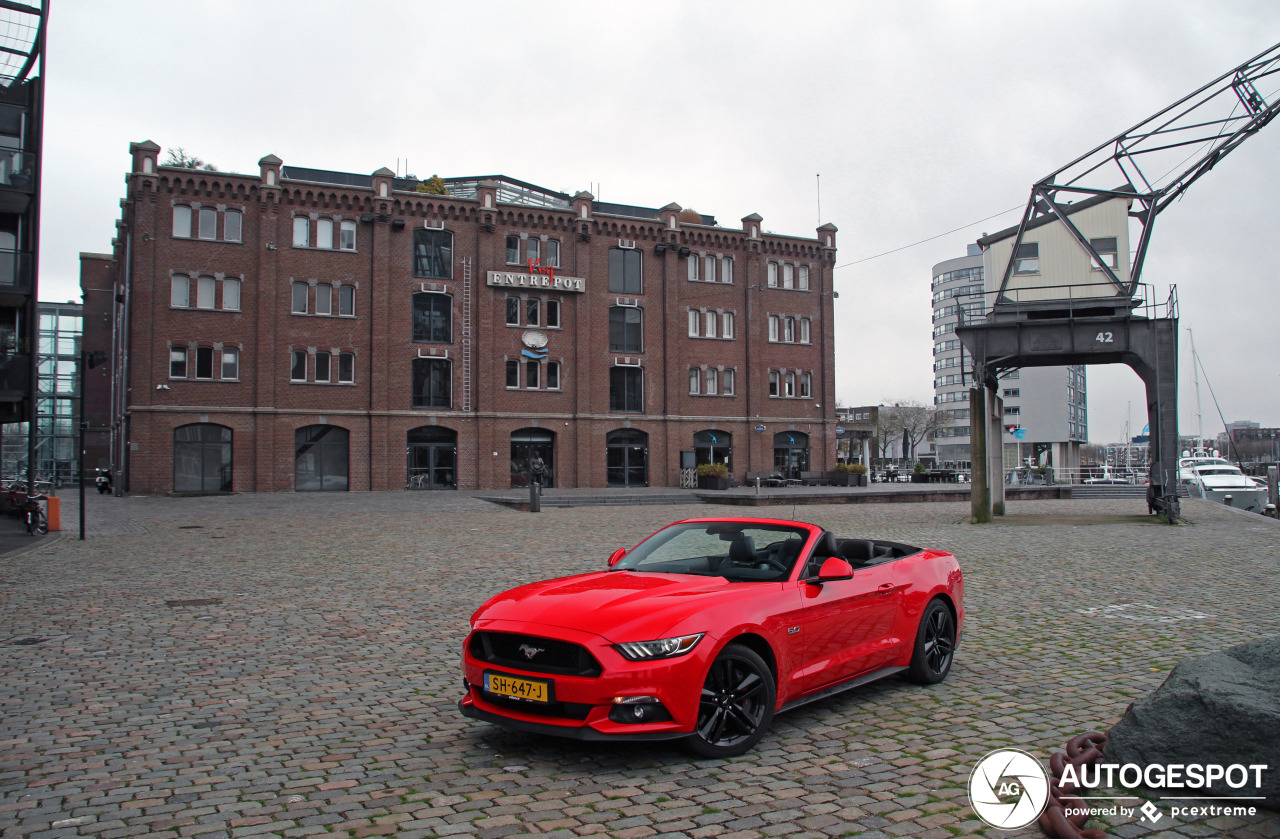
(627,458)
(202,458)
(527,444)
(321,453)
(433,458)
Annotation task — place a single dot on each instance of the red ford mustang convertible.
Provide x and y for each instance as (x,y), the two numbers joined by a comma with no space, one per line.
(708,628)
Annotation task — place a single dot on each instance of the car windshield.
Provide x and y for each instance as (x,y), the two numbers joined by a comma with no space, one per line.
(737,551)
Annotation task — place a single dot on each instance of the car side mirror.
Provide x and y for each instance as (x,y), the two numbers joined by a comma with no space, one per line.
(834,569)
(616,555)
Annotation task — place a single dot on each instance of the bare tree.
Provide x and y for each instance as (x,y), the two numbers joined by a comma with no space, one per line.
(910,418)
(178,157)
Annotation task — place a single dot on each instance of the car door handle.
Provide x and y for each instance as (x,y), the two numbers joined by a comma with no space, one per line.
(885,588)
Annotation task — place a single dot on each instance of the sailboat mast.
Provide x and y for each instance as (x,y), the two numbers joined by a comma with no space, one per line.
(1195,372)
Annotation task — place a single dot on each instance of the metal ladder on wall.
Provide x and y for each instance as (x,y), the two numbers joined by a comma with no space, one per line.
(466,333)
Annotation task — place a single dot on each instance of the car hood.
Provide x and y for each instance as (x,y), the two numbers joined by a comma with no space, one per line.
(618,605)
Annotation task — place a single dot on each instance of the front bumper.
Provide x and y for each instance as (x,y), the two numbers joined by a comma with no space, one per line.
(582,703)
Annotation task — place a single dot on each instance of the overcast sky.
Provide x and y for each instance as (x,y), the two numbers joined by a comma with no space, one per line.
(920,118)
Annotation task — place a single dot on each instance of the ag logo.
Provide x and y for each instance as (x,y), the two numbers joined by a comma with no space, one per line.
(1008,789)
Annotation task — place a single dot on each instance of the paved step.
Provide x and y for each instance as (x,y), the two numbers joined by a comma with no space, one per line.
(648,499)
(1109,491)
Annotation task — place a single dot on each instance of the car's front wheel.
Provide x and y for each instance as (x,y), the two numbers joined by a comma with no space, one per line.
(736,704)
(935,644)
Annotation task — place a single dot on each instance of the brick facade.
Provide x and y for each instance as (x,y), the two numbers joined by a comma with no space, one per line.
(359,276)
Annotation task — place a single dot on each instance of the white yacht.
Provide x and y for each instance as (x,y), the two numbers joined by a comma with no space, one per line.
(1207,475)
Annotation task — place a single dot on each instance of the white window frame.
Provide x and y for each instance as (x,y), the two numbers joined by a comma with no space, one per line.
(802,278)
(293,356)
(324,234)
(180,291)
(301,232)
(351,378)
(804,331)
(231,292)
(324,299)
(554,366)
(293,298)
(773,275)
(788,276)
(206,293)
(226,227)
(211,215)
(695,381)
(726,382)
(344,290)
(553,253)
(726,325)
(347,242)
(709,324)
(230,355)
(181,221)
(773,328)
(328,366)
(694,268)
(726,270)
(174,352)
(695,318)
(713,381)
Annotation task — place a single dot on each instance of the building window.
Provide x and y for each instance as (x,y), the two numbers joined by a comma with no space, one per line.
(1028,259)
(300,294)
(625,328)
(806,381)
(324,299)
(231,295)
(553,314)
(533,315)
(625,270)
(695,318)
(433,317)
(347,236)
(513,250)
(553,375)
(704,324)
(177,362)
(789,385)
(181,221)
(346,368)
(1012,410)
(208,223)
(626,389)
(1011,392)
(531,250)
(298,366)
(324,233)
(773,275)
(726,324)
(710,322)
(536,311)
(206,289)
(204,362)
(513,373)
(802,280)
(531,375)
(774,382)
(726,382)
(301,231)
(695,380)
(552,256)
(433,254)
(788,276)
(726,269)
(323,360)
(180,291)
(713,381)
(788,330)
(513,311)
(230,363)
(804,330)
(432,382)
(231,225)
(1106,249)
(347,300)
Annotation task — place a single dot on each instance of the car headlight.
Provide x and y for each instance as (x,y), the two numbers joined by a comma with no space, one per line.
(664,648)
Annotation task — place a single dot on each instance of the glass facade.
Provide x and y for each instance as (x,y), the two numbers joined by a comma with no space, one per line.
(57,403)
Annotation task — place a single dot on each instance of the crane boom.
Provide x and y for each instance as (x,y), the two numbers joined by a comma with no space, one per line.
(1158,159)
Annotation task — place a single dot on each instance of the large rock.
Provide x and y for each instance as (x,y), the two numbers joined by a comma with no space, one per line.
(1223,708)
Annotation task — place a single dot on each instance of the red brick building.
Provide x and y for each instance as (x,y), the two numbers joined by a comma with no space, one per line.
(302,329)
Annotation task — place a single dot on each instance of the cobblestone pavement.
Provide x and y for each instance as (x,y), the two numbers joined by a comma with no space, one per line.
(309,684)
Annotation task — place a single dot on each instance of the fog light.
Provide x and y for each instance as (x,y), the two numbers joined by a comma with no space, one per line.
(638,709)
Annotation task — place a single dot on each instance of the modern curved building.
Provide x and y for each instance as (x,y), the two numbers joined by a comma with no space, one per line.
(1045,408)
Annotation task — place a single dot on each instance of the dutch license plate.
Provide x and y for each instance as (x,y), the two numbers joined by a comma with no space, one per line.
(530,690)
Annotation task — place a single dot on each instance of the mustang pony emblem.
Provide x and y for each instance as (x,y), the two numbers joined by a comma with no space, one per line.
(530,652)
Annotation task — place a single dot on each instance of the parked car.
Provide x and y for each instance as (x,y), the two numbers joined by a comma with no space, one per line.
(706,629)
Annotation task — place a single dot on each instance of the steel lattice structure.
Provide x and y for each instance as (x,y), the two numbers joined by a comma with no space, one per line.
(21,40)
(1158,160)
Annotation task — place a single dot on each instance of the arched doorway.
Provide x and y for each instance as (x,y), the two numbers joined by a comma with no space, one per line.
(525,444)
(432,458)
(320,458)
(626,458)
(202,458)
(790,453)
(713,447)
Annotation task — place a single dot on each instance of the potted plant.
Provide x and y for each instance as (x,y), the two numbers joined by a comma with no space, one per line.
(919,474)
(713,476)
(859,471)
(851,474)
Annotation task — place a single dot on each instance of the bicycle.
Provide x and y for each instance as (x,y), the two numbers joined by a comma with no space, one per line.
(37,521)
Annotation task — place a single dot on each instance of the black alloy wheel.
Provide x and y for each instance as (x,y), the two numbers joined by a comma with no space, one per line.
(736,705)
(935,645)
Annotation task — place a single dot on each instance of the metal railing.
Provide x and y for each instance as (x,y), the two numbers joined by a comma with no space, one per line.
(1143,304)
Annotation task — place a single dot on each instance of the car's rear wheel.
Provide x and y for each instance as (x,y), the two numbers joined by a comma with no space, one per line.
(935,644)
(736,705)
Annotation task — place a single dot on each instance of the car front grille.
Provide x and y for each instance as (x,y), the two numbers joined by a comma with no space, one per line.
(559,710)
(533,654)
